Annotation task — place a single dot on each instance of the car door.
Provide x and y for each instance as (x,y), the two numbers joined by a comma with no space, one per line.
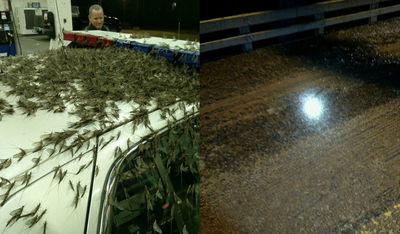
(111,159)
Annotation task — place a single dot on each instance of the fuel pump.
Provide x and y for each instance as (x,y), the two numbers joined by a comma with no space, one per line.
(7,41)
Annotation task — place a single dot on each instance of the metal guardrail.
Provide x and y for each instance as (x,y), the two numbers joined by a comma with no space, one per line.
(244,22)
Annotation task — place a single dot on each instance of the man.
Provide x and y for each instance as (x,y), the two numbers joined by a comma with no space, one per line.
(96,19)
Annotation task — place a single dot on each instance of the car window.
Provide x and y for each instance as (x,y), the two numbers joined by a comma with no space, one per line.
(157,188)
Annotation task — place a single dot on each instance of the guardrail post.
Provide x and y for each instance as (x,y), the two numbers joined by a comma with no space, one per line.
(248,46)
(319,16)
(373,5)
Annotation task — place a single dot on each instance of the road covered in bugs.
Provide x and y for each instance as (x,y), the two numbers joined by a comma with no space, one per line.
(304,138)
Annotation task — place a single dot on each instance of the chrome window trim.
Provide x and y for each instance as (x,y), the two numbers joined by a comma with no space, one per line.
(112,177)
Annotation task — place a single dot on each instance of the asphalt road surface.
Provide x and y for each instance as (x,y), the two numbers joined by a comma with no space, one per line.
(304,138)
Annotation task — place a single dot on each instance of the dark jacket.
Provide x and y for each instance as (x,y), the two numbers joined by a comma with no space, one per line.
(91,27)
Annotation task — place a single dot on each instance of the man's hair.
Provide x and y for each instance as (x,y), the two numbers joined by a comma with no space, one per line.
(94,7)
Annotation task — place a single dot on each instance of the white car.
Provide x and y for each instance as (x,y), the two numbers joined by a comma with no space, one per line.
(126,163)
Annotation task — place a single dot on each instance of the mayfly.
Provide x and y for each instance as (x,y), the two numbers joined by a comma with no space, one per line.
(107,142)
(71,185)
(35,161)
(26,178)
(128,143)
(51,152)
(115,115)
(83,191)
(44,227)
(151,129)
(88,164)
(5,163)
(96,171)
(33,212)
(35,219)
(5,195)
(41,215)
(80,156)
(48,138)
(117,151)
(20,155)
(16,214)
(39,146)
(78,146)
(62,175)
(77,196)
(56,169)
(61,146)
(101,141)
(87,144)
(4,181)
(71,150)
(163,115)
(80,169)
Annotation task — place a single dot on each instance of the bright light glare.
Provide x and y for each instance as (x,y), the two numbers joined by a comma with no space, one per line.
(313,107)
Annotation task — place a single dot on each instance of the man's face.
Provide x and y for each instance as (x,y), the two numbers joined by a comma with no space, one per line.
(97,18)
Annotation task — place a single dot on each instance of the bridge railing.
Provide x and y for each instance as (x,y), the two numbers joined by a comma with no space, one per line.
(319,16)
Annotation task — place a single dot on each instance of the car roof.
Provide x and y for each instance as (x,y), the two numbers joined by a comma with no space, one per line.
(24,131)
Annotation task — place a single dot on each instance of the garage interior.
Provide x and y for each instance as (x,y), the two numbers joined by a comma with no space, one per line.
(180,20)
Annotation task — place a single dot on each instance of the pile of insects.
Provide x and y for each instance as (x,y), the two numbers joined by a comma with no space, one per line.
(89,84)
